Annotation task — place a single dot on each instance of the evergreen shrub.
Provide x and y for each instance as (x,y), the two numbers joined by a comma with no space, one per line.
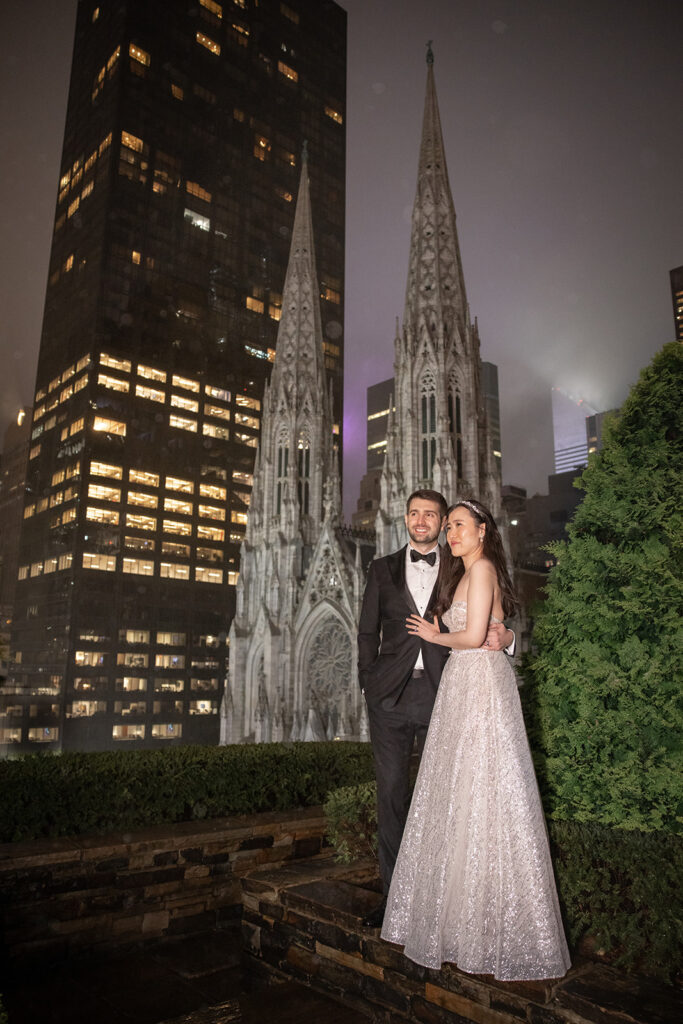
(351,815)
(603,694)
(73,793)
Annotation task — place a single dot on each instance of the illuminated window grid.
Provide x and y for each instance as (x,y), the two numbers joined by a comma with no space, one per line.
(184,382)
(220,393)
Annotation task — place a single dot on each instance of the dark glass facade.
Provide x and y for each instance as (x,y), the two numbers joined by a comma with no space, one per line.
(176,198)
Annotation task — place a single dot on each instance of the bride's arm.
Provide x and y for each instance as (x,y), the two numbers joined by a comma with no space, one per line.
(479,604)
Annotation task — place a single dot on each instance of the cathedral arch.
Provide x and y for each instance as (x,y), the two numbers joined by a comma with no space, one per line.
(325,660)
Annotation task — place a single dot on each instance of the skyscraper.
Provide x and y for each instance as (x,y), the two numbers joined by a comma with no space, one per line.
(569,430)
(174,214)
(12,484)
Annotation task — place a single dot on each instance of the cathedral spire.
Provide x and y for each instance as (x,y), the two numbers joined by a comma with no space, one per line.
(299,339)
(436,287)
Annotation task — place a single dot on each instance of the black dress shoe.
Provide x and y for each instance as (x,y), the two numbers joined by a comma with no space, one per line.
(376,917)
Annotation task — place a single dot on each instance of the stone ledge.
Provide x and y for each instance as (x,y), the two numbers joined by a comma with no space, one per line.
(95,893)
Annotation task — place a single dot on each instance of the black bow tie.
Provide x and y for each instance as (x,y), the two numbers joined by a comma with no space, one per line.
(417,556)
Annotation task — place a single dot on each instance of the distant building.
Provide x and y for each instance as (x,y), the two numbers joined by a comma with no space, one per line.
(172,229)
(489,390)
(569,430)
(676,276)
(439,435)
(379,405)
(13,462)
(594,425)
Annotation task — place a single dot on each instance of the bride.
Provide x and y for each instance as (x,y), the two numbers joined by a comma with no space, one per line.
(473,883)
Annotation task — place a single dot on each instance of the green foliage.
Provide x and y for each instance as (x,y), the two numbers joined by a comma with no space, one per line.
(602,699)
(74,793)
(352,822)
(620,888)
(623,890)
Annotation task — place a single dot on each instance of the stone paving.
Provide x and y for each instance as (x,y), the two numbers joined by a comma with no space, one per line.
(196,980)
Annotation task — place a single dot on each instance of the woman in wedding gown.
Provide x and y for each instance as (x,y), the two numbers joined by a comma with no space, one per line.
(473,883)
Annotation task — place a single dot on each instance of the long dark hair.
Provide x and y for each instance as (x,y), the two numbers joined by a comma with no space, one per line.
(451,569)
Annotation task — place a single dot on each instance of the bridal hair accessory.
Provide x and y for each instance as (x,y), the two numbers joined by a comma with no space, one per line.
(471,505)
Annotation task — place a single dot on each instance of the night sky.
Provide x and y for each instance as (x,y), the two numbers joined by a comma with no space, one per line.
(562,126)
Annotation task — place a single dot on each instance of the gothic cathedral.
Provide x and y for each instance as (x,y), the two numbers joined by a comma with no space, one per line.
(293,652)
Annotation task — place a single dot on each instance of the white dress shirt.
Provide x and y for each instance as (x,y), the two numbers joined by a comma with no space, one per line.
(421,577)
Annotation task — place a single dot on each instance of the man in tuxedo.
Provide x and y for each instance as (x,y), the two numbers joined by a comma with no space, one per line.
(398,672)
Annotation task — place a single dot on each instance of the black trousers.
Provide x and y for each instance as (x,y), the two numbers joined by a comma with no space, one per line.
(395,732)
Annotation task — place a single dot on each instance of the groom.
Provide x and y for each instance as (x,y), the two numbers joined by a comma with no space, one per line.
(399,673)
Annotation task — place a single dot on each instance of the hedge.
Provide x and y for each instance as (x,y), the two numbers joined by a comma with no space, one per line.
(73,793)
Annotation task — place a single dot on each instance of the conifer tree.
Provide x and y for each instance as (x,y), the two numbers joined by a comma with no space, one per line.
(604,682)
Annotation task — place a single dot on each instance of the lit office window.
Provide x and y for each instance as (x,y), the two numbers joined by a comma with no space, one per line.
(175,483)
(141,476)
(205,575)
(105,563)
(138,566)
(209,44)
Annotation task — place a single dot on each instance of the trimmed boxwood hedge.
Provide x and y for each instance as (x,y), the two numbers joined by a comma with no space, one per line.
(73,793)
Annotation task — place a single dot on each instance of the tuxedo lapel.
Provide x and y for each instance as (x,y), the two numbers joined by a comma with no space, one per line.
(397,568)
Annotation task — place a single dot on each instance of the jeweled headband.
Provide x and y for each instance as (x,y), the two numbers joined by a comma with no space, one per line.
(470,505)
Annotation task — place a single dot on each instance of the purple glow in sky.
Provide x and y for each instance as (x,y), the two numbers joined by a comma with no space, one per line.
(561,123)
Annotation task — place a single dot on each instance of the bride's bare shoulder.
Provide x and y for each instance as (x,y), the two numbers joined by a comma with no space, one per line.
(482,568)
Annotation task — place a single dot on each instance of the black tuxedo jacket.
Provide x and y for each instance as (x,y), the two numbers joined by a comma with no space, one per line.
(387,652)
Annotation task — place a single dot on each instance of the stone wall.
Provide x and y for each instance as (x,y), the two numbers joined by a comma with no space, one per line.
(99,893)
(304,923)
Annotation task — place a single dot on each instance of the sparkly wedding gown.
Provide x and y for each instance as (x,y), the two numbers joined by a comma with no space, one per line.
(473,883)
